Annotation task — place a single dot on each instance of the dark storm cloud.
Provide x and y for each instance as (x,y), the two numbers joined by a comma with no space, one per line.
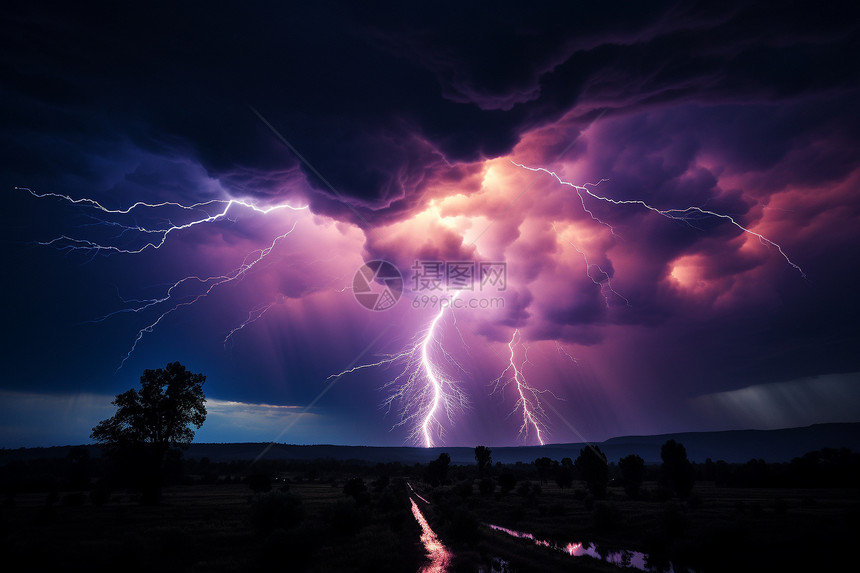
(382,99)
(747,109)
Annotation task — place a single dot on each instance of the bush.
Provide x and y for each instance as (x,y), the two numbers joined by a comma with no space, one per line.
(632,474)
(464,488)
(487,486)
(276,510)
(589,501)
(676,471)
(592,466)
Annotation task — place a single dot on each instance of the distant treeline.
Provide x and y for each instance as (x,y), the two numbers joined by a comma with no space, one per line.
(79,471)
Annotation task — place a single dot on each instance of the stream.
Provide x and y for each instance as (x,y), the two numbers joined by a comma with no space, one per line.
(622,558)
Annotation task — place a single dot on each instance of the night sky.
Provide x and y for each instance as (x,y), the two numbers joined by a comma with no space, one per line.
(408,134)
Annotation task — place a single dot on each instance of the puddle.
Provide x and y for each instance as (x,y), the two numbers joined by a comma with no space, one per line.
(623,558)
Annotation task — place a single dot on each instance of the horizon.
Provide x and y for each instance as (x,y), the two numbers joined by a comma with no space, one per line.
(402,227)
(421,447)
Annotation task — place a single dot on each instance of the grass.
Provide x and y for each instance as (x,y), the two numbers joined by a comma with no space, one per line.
(204,528)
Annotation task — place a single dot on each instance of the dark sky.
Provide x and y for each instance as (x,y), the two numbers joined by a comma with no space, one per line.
(671,186)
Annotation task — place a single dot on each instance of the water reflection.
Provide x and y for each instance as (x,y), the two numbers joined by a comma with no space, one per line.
(440,557)
(624,558)
(418,495)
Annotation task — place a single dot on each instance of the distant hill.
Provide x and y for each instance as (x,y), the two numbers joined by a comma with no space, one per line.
(731,446)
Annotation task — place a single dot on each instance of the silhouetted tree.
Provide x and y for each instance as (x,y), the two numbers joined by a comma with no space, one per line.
(632,474)
(591,465)
(564,476)
(677,471)
(150,422)
(437,470)
(543,465)
(484,457)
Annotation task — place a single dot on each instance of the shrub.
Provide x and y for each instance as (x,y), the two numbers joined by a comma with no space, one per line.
(592,466)
(632,474)
(464,488)
(487,486)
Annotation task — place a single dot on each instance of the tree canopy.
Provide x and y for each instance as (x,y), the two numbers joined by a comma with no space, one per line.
(676,471)
(592,466)
(153,421)
(169,402)
(632,474)
(484,457)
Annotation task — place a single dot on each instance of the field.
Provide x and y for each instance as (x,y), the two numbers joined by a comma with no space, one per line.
(315,526)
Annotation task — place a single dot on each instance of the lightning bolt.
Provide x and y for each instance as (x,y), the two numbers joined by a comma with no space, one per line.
(66,243)
(254,315)
(210,283)
(603,281)
(685,215)
(423,386)
(565,353)
(529,397)
(172,298)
